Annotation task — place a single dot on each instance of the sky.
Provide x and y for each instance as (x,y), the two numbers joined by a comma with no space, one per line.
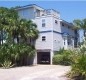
(69,10)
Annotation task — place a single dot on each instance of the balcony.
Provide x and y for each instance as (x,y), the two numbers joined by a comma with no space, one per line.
(47,12)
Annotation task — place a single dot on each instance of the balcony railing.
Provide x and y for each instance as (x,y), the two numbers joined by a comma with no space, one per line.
(47,12)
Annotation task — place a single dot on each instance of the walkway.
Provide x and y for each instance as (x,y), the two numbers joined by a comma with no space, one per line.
(39,72)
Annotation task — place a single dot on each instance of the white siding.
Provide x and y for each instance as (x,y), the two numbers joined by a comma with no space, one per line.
(56,27)
(65,29)
(48,23)
(27,13)
(48,44)
(57,41)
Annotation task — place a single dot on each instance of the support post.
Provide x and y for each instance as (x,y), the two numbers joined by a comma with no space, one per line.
(51,57)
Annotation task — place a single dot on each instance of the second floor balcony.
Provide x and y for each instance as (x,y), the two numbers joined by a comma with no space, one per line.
(39,13)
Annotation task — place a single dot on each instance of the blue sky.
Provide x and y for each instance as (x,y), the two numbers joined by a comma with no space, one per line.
(69,10)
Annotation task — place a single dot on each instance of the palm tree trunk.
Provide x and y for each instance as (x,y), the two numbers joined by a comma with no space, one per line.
(2,37)
(17,39)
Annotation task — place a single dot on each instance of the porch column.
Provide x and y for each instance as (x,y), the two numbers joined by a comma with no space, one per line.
(51,57)
(72,42)
(35,59)
(66,43)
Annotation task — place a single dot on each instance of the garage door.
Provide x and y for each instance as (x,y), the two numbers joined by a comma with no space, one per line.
(43,57)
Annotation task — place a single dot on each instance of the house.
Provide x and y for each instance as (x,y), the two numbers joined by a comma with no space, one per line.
(54,33)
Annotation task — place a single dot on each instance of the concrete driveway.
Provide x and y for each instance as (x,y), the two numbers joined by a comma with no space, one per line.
(39,72)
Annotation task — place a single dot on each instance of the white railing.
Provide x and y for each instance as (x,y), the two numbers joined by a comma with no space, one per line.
(47,12)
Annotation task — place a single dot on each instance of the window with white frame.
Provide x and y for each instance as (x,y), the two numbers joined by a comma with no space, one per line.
(62,24)
(43,38)
(56,22)
(43,22)
(69,41)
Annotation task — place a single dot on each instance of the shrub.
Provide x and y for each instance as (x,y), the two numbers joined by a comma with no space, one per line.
(60,51)
(63,59)
(18,54)
(78,71)
(57,59)
(7,64)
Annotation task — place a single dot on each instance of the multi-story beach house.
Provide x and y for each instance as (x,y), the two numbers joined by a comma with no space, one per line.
(54,33)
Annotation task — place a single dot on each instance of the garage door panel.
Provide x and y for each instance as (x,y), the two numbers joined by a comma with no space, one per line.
(43,57)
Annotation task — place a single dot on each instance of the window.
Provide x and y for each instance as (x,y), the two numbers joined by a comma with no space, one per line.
(43,38)
(43,22)
(84,33)
(56,22)
(68,27)
(62,24)
(69,41)
(75,31)
(64,41)
(42,14)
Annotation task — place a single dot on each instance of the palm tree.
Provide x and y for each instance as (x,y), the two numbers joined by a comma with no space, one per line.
(3,19)
(21,30)
(27,30)
(80,24)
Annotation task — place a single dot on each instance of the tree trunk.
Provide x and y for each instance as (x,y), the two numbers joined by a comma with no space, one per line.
(2,37)
(17,39)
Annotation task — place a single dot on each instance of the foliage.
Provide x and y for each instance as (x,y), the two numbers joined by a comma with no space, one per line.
(19,35)
(80,23)
(78,71)
(14,53)
(7,64)
(60,51)
(16,28)
(63,58)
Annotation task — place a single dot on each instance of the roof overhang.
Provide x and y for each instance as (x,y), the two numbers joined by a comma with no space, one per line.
(67,23)
(30,6)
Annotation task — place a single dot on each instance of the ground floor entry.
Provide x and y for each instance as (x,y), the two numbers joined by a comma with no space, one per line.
(43,57)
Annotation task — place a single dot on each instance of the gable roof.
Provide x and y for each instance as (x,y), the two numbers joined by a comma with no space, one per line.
(29,6)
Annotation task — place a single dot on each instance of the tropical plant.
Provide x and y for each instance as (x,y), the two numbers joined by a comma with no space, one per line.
(18,54)
(78,71)
(63,57)
(80,24)
(7,64)
(19,35)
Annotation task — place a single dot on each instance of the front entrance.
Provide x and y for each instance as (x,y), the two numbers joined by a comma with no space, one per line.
(43,57)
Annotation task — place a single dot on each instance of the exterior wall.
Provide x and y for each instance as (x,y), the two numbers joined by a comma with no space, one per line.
(48,44)
(56,26)
(57,41)
(48,23)
(57,36)
(69,39)
(44,31)
(27,13)
(65,29)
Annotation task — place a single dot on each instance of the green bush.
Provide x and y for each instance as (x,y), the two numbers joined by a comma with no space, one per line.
(63,59)
(78,67)
(57,59)
(7,64)
(18,54)
(60,51)
(78,71)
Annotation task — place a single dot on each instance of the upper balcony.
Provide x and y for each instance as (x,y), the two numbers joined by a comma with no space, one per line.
(39,13)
